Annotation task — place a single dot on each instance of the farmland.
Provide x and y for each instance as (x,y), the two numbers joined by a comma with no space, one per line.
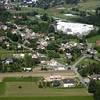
(25,87)
(49,98)
(31,89)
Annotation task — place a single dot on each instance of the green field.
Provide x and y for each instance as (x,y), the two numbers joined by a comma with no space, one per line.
(49,98)
(32,89)
(5,53)
(88,61)
(93,39)
(29,87)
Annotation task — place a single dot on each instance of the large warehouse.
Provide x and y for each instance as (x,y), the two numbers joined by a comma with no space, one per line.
(78,29)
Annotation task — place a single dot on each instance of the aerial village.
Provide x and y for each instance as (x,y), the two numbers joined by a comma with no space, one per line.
(55,48)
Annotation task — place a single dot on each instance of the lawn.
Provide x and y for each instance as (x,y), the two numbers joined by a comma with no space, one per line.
(21,79)
(90,5)
(88,61)
(62,59)
(31,89)
(49,98)
(93,39)
(9,90)
(5,53)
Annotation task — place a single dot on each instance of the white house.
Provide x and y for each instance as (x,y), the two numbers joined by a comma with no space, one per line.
(27,69)
(52,63)
(21,55)
(59,68)
(68,83)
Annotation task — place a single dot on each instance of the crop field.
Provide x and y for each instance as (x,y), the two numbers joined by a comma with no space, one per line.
(31,89)
(23,87)
(49,98)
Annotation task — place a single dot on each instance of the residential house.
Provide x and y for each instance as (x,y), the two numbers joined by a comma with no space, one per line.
(9,60)
(68,83)
(95,77)
(53,78)
(21,55)
(2,38)
(27,69)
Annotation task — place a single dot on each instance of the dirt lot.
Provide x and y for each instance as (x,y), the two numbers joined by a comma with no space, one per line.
(65,74)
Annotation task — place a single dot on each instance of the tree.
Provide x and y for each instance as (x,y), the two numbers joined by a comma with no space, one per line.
(52,54)
(98,11)
(72,1)
(92,86)
(97,92)
(4,14)
(51,29)
(28,62)
(18,8)
(45,17)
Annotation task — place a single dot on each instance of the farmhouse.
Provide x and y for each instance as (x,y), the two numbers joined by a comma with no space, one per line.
(68,83)
(78,29)
(95,77)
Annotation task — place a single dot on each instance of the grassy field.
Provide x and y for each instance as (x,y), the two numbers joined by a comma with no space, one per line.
(88,61)
(22,79)
(93,39)
(5,53)
(49,98)
(10,87)
(90,4)
(31,89)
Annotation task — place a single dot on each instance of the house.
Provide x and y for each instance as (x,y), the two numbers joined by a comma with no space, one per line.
(86,80)
(27,69)
(59,68)
(47,38)
(69,56)
(34,56)
(53,78)
(19,46)
(19,55)
(42,42)
(95,77)
(56,83)
(92,51)
(9,60)
(68,83)
(52,62)
(4,27)
(2,38)
(98,42)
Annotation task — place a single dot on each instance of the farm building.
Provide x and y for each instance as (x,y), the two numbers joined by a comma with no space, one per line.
(68,83)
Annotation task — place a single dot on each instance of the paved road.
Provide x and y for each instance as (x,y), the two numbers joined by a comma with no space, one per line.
(75,70)
(30,49)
